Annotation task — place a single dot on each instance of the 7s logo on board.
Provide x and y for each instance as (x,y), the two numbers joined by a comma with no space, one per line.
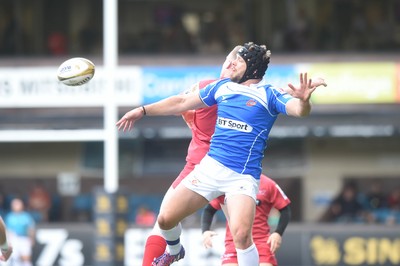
(58,246)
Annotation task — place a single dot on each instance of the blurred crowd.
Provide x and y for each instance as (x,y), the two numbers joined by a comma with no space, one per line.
(43,205)
(365,202)
(374,206)
(38,203)
(339,25)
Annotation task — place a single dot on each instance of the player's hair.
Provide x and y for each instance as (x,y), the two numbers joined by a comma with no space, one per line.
(257,58)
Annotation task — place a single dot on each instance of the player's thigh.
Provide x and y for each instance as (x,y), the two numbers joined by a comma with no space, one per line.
(241,211)
(180,204)
(225,211)
(167,197)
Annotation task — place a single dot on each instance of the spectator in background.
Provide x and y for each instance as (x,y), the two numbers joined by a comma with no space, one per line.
(298,36)
(358,37)
(174,36)
(344,10)
(39,200)
(215,37)
(89,37)
(57,43)
(345,208)
(375,203)
(9,38)
(393,202)
(381,29)
(21,227)
(145,216)
(394,199)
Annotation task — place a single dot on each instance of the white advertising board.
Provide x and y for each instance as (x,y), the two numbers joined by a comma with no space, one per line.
(39,87)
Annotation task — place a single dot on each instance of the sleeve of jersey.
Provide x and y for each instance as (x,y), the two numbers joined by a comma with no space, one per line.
(279,198)
(207,95)
(278,99)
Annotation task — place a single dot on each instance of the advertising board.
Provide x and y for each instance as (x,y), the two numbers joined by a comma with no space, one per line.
(303,245)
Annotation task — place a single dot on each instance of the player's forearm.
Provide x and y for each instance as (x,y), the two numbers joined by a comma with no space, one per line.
(298,108)
(304,108)
(173,105)
(169,106)
(285,216)
(207,217)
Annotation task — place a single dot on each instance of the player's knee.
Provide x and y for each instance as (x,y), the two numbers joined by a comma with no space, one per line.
(242,238)
(164,222)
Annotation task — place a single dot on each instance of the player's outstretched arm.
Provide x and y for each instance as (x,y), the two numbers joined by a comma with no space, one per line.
(169,106)
(301,106)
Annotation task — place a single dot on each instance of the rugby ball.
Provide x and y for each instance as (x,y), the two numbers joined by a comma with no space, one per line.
(76,71)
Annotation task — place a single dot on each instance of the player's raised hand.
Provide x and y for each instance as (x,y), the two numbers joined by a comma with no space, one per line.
(318,82)
(128,120)
(207,238)
(274,242)
(306,88)
(6,254)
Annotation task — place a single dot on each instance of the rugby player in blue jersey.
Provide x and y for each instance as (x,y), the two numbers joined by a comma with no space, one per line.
(246,114)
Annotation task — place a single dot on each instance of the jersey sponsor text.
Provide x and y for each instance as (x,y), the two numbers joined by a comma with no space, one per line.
(233,124)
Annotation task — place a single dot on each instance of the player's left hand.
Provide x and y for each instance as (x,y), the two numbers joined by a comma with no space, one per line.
(6,254)
(207,238)
(274,242)
(128,120)
(307,87)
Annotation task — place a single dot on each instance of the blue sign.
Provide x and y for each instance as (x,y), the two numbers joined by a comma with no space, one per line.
(280,75)
(162,82)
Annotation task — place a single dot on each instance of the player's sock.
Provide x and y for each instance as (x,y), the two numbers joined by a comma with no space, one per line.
(172,238)
(154,248)
(248,256)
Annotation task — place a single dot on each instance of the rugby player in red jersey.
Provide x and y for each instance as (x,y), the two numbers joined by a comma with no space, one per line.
(269,196)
